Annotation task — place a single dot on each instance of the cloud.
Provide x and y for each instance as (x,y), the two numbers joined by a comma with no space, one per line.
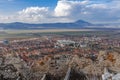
(89,10)
(97,6)
(105,12)
(33,14)
(68,10)
(34,10)
(28,15)
(86,10)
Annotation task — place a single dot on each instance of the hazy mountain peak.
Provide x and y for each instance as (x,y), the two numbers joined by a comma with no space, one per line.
(80,21)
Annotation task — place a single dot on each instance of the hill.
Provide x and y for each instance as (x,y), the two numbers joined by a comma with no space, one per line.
(18,25)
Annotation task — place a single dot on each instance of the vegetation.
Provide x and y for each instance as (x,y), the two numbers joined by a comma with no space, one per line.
(69,32)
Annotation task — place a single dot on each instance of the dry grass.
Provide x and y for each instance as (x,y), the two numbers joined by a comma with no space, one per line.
(46,30)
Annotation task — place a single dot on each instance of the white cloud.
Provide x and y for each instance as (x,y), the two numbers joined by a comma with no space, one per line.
(29,15)
(88,10)
(34,10)
(66,8)
(97,6)
(33,14)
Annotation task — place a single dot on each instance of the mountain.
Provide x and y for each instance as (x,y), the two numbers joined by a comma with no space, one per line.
(18,25)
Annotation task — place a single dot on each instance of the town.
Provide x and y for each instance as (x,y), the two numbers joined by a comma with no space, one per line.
(60,57)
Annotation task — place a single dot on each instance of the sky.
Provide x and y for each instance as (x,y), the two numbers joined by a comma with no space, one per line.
(52,11)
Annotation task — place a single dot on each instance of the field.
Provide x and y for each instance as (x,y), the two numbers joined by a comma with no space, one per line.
(6,34)
(30,33)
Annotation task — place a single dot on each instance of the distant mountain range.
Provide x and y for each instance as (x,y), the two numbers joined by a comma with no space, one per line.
(72,25)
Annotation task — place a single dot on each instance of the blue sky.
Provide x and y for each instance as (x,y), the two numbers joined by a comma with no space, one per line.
(11,6)
(15,5)
(49,11)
